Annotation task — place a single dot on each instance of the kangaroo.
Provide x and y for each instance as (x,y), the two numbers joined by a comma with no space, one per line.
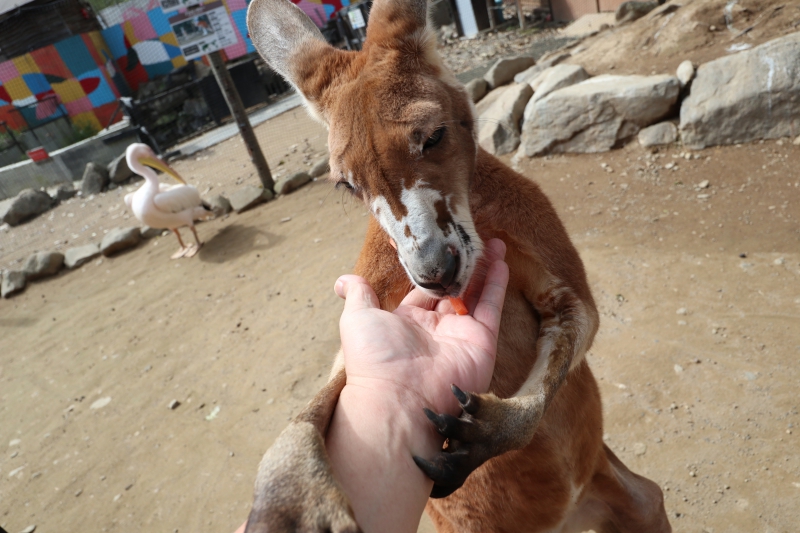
(527,456)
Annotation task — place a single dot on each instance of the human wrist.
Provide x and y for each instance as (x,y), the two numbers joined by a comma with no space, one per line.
(372,439)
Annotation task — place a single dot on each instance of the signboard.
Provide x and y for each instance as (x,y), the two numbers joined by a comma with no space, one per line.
(172,6)
(203,30)
(356,18)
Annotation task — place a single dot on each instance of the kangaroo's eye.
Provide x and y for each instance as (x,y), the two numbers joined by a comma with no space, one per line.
(344,183)
(434,139)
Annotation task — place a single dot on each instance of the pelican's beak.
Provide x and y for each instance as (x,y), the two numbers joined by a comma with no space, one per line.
(163,167)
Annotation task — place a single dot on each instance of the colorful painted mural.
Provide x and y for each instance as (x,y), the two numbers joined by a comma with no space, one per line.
(88,73)
(78,71)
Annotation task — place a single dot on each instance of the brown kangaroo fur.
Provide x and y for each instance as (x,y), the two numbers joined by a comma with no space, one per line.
(528,455)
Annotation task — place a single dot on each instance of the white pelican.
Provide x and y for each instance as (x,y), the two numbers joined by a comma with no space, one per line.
(164,206)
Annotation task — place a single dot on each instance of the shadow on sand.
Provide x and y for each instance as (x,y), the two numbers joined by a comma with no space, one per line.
(236,240)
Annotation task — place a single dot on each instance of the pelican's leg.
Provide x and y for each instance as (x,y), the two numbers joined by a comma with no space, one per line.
(180,253)
(194,248)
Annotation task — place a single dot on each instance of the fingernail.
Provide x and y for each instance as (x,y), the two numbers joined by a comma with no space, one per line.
(338,288)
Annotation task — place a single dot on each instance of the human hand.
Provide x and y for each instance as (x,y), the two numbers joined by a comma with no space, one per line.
(423,346)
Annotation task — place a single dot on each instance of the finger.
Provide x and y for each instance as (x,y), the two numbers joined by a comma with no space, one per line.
(241,528)
(490,305)
(494,250)
(417,298)
(357,293)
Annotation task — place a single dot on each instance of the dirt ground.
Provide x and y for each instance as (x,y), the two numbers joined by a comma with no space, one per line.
(700,30)
(698,286)
(696,354)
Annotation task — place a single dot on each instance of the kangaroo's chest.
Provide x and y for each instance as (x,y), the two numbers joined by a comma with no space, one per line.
(516,345)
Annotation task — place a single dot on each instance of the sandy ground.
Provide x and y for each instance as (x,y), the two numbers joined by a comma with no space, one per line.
(699,290)
(291,143)
(704,402)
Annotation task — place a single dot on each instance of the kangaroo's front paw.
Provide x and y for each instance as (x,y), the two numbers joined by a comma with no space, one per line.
(487,427)
(295,488)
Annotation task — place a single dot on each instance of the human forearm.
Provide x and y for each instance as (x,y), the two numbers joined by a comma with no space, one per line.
(371,441)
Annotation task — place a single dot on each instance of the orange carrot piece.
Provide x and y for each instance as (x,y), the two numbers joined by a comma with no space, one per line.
(458,306)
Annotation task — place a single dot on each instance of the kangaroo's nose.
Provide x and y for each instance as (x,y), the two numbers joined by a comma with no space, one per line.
(452,264)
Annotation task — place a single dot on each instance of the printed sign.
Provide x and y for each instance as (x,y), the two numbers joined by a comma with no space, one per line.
(203,30)
(171,6)
(356,18)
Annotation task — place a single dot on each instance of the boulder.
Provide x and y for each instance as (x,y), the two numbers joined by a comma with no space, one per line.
(26,205)
(504,70)
(291,183)
(477,89)
(530,74)
(61,192)
(489,100)
(634,10)
(13,282)
(119,239)
(146,232)
(118,171)
(556,78)
(321,167)
(249,196)
(594,115)
(43,264)
(95,179)
(500,124)
(685,72)
(746,96)
(75,257)
(658,134)
(220,205)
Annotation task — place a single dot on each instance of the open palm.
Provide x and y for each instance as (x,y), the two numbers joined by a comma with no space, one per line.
(423,346)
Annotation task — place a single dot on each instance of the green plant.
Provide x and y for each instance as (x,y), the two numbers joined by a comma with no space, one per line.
(81,131)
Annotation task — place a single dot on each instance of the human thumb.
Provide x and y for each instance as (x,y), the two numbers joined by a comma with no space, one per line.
(356,292)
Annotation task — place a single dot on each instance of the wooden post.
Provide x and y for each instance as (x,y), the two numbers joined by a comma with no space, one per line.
(490,10)
(520,15)
(234,102)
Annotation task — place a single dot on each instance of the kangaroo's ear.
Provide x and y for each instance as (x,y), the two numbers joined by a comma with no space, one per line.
(294,47)
(393,22)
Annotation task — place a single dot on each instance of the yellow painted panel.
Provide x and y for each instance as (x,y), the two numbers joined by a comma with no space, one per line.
(26,65)
(69,91)
(17,89)
(127,29)
(169,38)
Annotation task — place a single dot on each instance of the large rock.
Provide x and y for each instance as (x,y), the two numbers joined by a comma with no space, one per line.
(500,123)
(119,239)
(26,205)
(61,192)
(633,10)
(477,89)
(118,171)
(291,183)
(95,179)
(489,100)
(43,264)
(220,205)
(13,282)
(658,134)
(556,78)
(751,95)
(321,167)
(596,114)
(530,74)
(249,196)
(504,70)
(75,257)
